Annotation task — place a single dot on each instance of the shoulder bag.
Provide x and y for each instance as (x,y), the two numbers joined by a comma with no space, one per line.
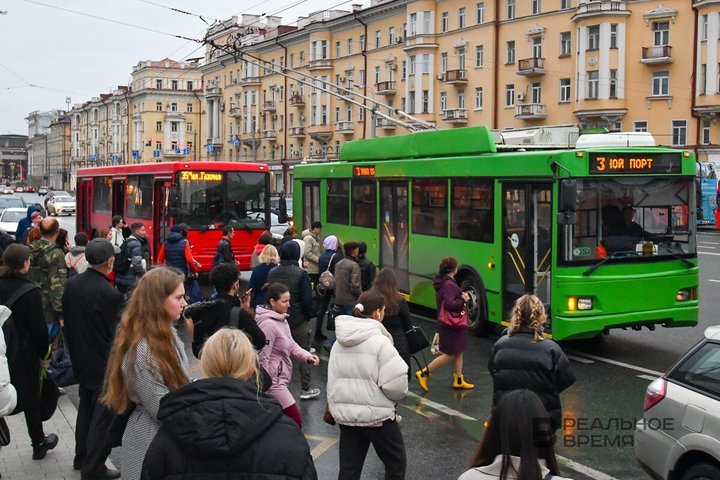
(416,340)
(453,319)
(49,394)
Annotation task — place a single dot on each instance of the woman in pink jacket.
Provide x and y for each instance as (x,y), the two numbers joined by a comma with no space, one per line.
(280,346)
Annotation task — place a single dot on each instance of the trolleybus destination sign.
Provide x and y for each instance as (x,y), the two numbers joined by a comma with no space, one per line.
(634,162)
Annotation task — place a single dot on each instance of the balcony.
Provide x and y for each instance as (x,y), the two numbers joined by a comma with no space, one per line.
(297,100)
(296,132)
(321,132)
(456,77)
(455,115)
(320,64)
(656,55)
(346,128)
(530,111)
(530,67)
(269,106)
(385,88)
(250,81)
(344,93)
(597,8)
(384,124)
(270,135)
(420,41)
(235,112)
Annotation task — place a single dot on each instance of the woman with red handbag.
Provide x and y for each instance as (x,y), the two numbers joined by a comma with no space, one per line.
(452,325)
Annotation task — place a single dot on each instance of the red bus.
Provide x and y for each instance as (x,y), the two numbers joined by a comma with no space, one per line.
(204,195)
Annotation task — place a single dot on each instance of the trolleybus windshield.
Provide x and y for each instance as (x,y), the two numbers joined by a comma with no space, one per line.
(627,218)
(212,199)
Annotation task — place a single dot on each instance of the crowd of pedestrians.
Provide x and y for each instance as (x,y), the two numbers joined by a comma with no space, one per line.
(120,318)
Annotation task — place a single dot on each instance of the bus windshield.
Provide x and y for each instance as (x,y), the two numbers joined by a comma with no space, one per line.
(627,218)
(211,199)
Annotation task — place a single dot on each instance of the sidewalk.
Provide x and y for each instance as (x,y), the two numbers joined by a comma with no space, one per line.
(16,461)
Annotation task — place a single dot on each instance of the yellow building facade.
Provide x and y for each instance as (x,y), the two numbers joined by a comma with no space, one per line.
(620,64)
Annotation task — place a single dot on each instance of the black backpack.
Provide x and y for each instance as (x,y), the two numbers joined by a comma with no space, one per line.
(122,259)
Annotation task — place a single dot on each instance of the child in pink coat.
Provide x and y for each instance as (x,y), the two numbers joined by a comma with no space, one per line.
(280,346)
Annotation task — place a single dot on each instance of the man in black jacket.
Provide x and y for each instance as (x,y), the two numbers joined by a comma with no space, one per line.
(209,317)
(224,253)
(91,308)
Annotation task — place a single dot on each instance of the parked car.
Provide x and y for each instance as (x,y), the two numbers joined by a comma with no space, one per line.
(679,434)
(18,189)
(10,217)
(7,190)
(53,193)
(12,202)
(58,204)
(29,189)
(42,190)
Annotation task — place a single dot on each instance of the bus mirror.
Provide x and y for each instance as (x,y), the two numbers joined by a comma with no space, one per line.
(568,196)
(282,210)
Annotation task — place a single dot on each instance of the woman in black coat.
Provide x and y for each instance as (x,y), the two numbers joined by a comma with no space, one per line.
(397,313)
(223,427)
(27,343)
(522,358)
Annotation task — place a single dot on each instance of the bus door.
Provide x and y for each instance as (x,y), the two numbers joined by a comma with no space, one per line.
(394,231)
(118,197)
(161,196)
(84,204)
(527,241)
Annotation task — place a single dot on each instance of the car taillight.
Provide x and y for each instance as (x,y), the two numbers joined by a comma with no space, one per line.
(654,393)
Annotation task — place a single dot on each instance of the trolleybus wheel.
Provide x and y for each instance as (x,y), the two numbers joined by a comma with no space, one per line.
(477,304)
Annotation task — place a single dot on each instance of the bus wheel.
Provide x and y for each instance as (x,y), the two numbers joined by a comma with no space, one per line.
(477,304)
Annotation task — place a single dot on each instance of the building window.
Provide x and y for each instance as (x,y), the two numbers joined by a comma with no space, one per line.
(706,132)
(510,9)
(461,17)
(479,56)
(461,99)
(426,63)
(391,35)
(480,9)
(443,62)
(661,34)
(703,80)
(158,84)
(189,128)
(350,46)
(189,108)
(158,126)
(377,38)
(411,102)
(174,84)
(461,58)
(425,101)
(444,22)
(641,126)
(613,83)
(564,90)
(404,69)
(412,64)
(661,83)
(362,43)
(679,132)
(593,37)
(478,98)
(536,7)
(704,28)
(613,35)
(189,85)
(377,74)
(413,24)
(426,22)
(536,92)
(173,107)
(592,84)
(509,95)
(510,57)
(565,4)
(537,47)
(565,44)
(174,126)
(443,101)
(158,106)
(337,49)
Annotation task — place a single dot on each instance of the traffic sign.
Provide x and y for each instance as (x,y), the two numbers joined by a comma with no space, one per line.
(156,153)
(186,151)
(236,142)
(115,158)
(136,154)
(93,158)
(210,148)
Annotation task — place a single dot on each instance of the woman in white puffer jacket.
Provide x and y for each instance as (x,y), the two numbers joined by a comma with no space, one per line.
(366,379)
(8,395)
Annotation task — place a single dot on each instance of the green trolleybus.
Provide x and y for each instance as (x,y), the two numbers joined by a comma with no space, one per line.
(603,233)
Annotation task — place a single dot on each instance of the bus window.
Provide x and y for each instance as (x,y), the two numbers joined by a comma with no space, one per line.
(138,199)
(472,210)
(311,204)
(364,202)
(338,201)
(102,188)
(246,200)
(429,207)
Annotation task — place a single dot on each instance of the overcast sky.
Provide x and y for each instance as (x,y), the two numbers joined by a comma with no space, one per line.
(48,52)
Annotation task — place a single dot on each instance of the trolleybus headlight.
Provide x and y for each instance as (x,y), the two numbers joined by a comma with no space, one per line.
(683,295)
(584,304)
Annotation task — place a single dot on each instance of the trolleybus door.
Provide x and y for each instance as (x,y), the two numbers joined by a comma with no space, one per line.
(118,197)
(84,204)
(527,241)
(394,230)
(161,195)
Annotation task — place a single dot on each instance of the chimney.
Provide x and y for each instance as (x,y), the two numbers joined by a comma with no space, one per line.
(356,7)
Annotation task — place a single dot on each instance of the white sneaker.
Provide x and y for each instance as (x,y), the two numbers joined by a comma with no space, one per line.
(309,393)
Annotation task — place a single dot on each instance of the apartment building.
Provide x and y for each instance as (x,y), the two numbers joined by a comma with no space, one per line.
(13,157)
(58,154)
(621,64)
(37,145)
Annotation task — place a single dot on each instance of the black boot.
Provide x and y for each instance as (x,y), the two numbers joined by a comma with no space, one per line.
(39,451)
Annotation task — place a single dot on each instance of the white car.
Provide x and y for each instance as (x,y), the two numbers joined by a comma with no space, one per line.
(61,204)
(10,217)
(6,190)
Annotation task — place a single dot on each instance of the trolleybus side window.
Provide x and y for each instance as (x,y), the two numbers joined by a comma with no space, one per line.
(429,207)
(102,187)
(364,203)
(311,203)
(138,197)
(338,201)
(472,210)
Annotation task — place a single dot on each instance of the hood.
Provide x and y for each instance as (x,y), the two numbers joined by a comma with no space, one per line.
(5,313)
(290,251)
(301,244)
(216,417)
(42,246)
(307,232)
(264,314)
(351,331)
(30,210)
(330,243)
(75,251)
(174,237)
(199,308)
(439,281)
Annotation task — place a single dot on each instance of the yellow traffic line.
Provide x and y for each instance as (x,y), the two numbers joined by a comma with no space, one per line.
(323,446)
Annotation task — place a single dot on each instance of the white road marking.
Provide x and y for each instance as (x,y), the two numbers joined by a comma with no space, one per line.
(580,359)
(619,364)
(714,281)
(579,467)
(647,377)
(711,243)
(708,253)
(439,407)
(706,246)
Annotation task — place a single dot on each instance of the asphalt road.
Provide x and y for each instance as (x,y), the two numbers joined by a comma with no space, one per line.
(443,427)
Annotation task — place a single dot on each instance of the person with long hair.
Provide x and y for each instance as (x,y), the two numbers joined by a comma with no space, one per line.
(26,357)
(522,358)
(147,361)
(280,346)
(366,379)
(397,313)
(518,442)
(453,341)
(269,258)
(260,442)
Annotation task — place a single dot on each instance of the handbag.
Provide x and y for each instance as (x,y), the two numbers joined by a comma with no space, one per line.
(49,395)
(4,433)
(453,319)
(416,340)
(328,417)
